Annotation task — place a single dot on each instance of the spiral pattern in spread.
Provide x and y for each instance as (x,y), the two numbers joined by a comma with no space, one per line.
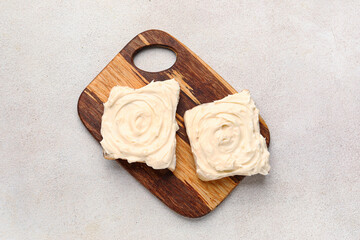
(139,125)
(225,138)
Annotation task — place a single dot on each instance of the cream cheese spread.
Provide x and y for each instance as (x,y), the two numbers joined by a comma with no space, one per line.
(225,138)
(139,125)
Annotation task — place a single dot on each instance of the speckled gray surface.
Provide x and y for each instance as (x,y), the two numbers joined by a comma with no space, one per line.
(300,60)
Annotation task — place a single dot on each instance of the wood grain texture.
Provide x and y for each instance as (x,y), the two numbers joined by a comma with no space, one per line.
(180,190)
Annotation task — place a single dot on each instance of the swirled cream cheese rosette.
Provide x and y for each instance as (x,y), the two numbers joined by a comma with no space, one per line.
(139,125)
(225,138)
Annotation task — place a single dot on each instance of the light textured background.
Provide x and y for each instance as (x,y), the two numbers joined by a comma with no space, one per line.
(300,60)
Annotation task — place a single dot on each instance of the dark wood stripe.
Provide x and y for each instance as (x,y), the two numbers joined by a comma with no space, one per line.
(237,179)
(264,130)
(182,133)
(90,112)
(97,99)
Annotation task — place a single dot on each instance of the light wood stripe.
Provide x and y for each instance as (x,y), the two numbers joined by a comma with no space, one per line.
(180,120)
(143,39)
(183,85)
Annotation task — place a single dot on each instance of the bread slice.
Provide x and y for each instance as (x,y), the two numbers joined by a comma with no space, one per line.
(139,125)
(225,138)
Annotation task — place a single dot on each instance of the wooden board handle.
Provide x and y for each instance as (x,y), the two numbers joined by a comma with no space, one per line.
(152,38)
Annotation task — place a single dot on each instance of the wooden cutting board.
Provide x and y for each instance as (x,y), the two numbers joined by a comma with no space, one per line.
(180,190)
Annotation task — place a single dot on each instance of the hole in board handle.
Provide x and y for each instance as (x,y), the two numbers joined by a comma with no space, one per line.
(154,58)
